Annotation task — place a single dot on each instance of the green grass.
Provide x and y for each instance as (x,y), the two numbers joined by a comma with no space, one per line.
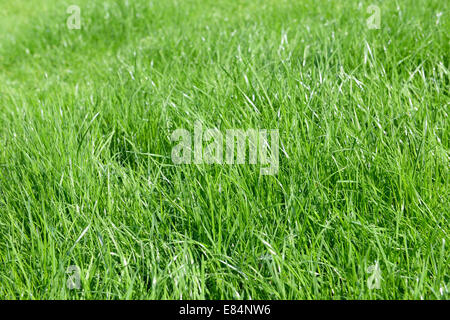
(86,176)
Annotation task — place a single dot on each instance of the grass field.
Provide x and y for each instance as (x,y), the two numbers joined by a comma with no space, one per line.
(359,208)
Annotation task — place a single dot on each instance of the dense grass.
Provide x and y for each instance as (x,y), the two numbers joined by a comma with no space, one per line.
(86,177)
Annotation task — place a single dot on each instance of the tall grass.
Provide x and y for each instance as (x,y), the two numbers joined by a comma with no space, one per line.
(86,177)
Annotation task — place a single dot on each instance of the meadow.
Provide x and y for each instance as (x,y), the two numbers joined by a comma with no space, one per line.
(93,207)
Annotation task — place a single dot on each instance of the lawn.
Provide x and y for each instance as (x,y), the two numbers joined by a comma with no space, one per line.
(93,206)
